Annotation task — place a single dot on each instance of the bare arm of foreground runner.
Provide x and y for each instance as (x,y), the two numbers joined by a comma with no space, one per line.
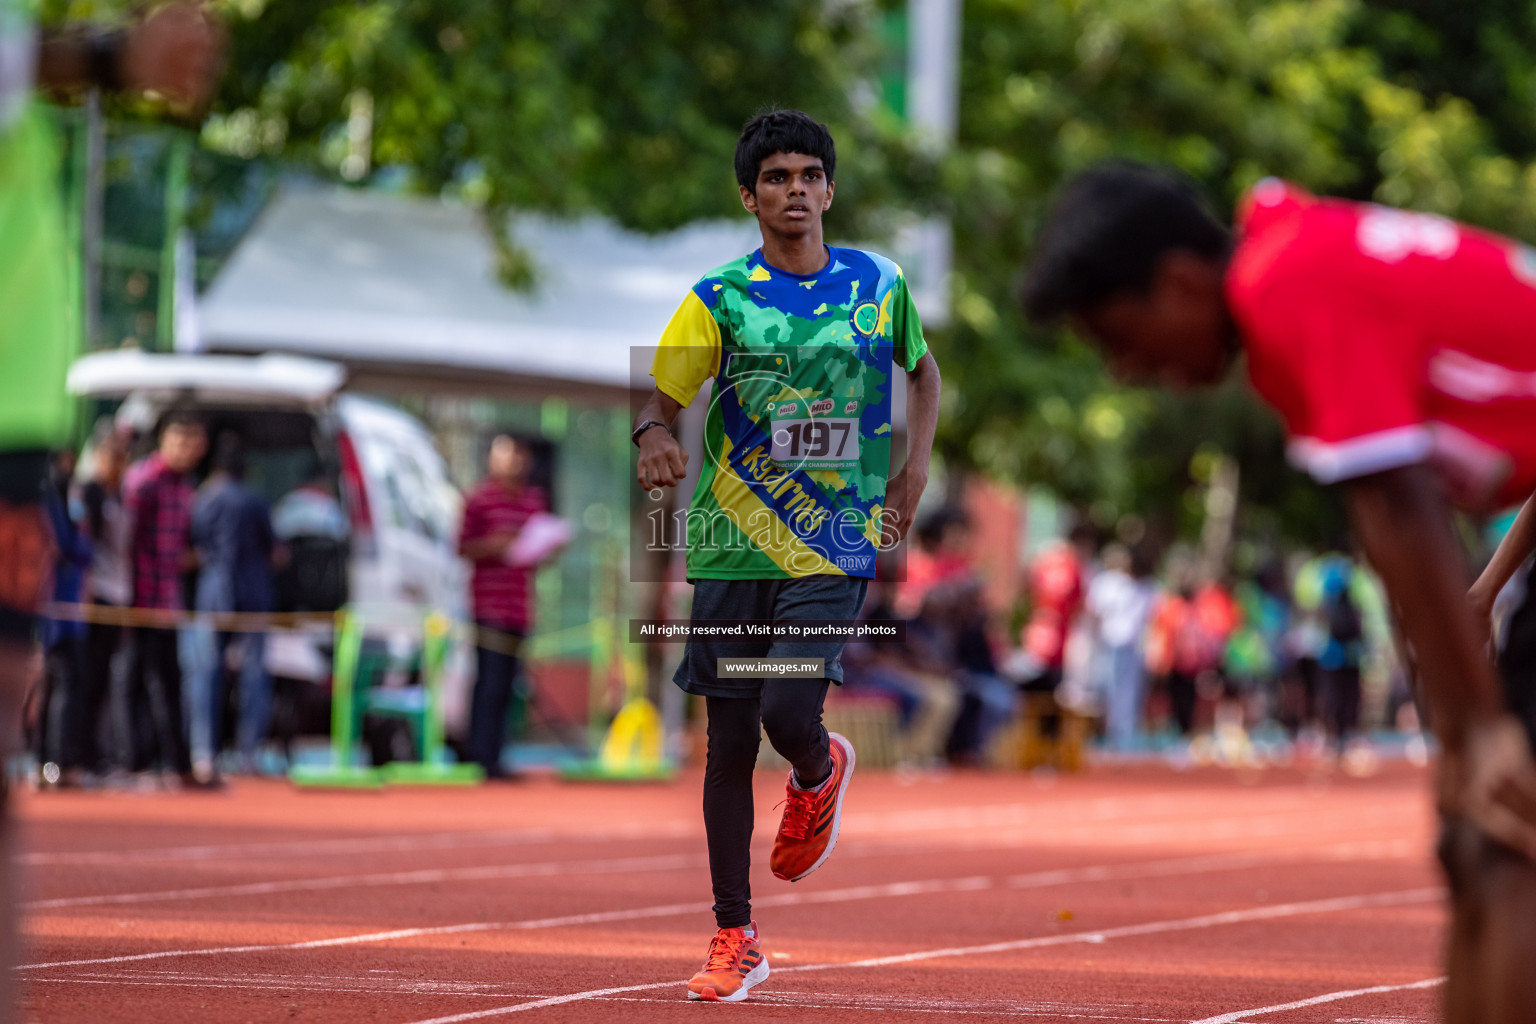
(1487,773)
(1512,552)
(663,461)
(923,389)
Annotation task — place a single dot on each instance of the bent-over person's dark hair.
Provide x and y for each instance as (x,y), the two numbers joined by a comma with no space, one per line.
(1107,229)
(781,131)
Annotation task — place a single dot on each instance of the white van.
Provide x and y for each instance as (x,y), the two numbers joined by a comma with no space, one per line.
(309,448)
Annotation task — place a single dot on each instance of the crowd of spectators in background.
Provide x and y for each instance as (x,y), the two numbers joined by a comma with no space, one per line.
(1162,657)
(1175,658)
(138,701)
(166,571)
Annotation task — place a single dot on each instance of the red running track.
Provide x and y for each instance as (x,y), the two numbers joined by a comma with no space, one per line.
(1121,895)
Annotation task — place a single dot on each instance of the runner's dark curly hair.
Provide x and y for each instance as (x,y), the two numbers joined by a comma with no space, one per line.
(781,131)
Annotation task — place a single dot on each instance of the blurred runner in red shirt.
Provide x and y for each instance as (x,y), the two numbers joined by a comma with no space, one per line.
(1397,348)
(1186,639)
(1058,582)
(941,554)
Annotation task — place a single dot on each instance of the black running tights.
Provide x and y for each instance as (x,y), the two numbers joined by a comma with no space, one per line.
(789,711)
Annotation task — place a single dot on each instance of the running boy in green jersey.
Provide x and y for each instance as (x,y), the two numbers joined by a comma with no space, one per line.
(794,497)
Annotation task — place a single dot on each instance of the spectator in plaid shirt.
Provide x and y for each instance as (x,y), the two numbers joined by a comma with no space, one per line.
(146,683)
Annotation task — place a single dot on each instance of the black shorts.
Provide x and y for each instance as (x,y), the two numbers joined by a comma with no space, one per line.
(809,598)
(1517,660)
(26,544)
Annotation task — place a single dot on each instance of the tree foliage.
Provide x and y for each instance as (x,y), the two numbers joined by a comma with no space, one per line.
(630,108)
(1329,93)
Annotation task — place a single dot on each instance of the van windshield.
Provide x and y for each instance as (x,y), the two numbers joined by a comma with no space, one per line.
(412,497)
(285,450)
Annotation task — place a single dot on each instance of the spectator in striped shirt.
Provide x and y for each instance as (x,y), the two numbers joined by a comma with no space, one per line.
(146,686)
(494,514)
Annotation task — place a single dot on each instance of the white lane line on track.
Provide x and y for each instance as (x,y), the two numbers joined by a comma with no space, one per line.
(1211,830)
(272,980)
(1103,809)
(1343,852)
(1018,814)
(1344,903)
(1029,812)
(425,876)
(362,844)
(449,989)
(1048,834)
(969,1008)
(1037,880)
(1237,1016)
(666,910)
(287,987)
(428,876)
(480,990)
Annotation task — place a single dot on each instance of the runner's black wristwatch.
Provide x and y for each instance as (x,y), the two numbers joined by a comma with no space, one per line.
(634,435)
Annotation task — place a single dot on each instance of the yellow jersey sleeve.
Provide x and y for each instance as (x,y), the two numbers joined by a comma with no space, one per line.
(689,353)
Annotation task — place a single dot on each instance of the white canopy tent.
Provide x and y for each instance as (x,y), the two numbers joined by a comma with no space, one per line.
(120,372)
(404,291)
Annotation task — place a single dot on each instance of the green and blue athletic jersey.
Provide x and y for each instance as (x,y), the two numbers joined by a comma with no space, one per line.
(798,436)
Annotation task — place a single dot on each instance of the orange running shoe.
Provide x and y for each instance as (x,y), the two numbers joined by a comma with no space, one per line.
(808,830)
(735,963)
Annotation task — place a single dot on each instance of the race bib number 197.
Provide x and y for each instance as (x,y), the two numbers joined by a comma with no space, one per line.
(807,435)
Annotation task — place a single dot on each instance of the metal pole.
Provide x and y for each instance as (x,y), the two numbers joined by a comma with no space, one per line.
(599,654)
(933,111)
(349,646)
(91,162)
(933,70)
(177,160)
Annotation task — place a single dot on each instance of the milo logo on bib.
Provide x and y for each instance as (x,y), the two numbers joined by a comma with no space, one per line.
(807,436)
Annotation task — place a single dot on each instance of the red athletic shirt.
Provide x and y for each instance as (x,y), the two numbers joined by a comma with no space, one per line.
(502,593)
(1386,338)
(1056,587)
